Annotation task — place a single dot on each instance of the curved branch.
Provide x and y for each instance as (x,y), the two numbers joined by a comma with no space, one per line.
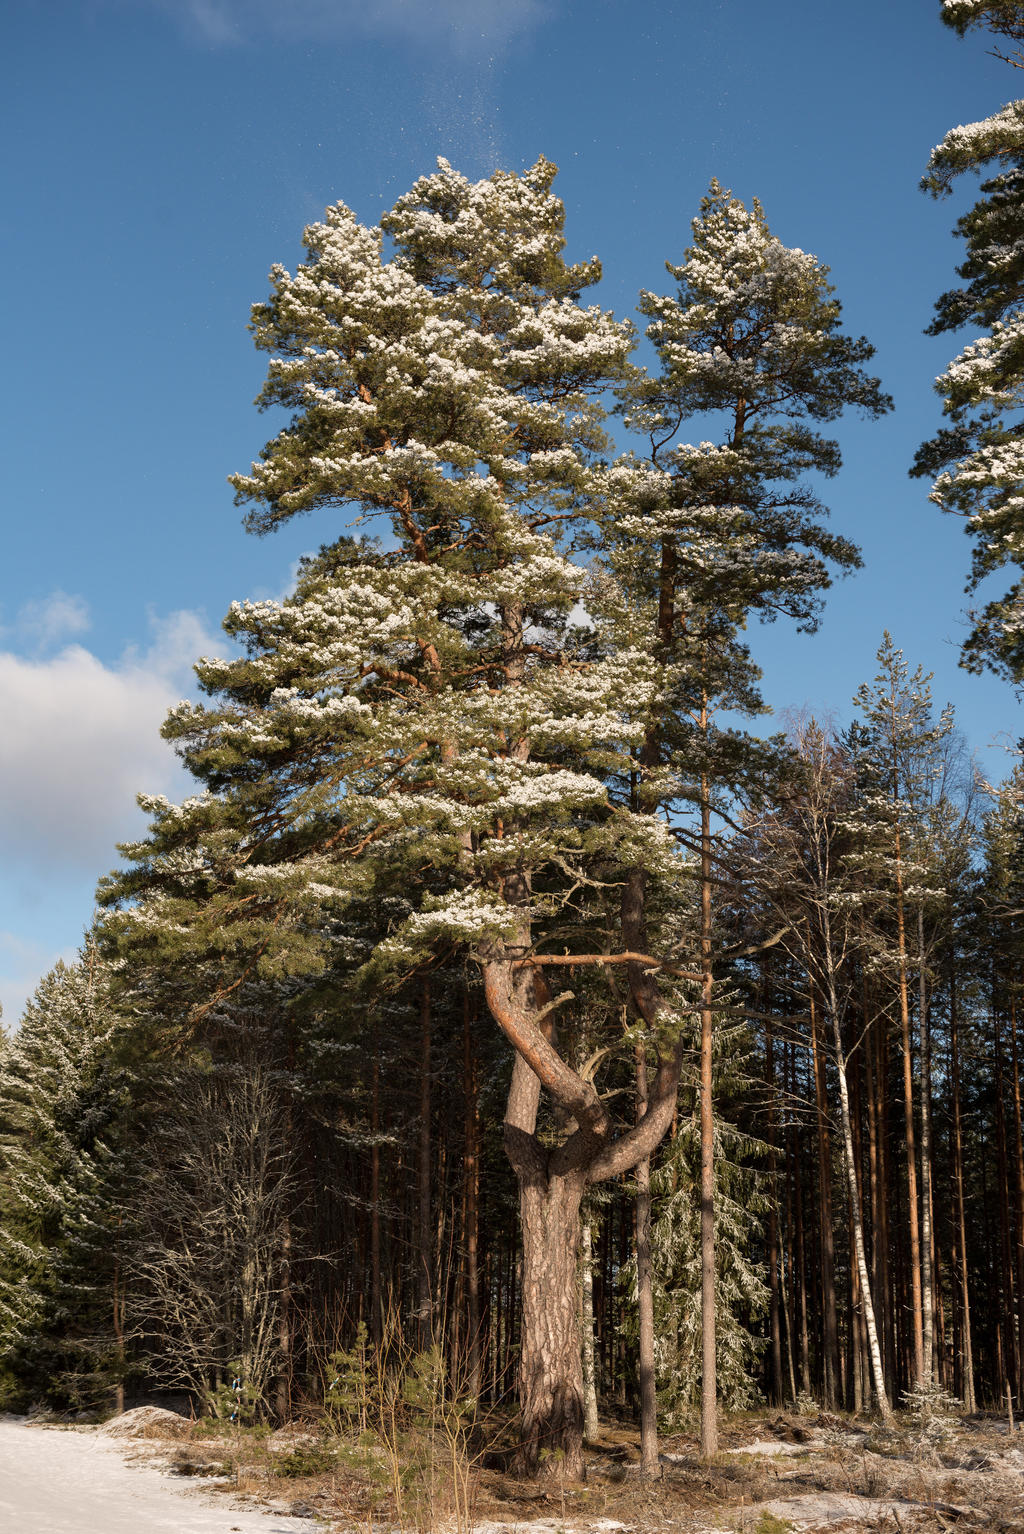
(569,1090)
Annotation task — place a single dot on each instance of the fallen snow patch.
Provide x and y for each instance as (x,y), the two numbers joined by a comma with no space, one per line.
(775,1446)
(146,1422)
(821,1508)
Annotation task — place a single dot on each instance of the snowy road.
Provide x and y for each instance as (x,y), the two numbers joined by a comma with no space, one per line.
(58,1482)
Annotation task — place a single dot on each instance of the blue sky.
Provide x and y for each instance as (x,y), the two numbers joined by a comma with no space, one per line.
(162,154)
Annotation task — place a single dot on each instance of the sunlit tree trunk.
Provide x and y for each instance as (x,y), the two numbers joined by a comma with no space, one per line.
(709,1365)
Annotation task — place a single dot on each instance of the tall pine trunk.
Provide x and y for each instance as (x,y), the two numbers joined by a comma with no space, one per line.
(649,1466)
(709,1361)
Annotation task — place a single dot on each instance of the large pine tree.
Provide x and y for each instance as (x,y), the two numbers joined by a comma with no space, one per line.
(977,460)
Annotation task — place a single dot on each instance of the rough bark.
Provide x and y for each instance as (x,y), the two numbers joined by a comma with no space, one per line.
(551,1185)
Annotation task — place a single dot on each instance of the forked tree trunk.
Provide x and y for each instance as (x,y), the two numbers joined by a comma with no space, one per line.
(551,1185)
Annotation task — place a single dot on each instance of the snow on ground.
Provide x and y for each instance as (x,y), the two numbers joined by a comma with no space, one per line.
(55,1481)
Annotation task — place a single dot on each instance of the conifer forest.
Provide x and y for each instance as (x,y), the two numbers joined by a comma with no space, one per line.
(507,1007)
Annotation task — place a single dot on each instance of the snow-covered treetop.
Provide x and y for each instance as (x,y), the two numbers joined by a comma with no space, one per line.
(971,146)
(753,321)
(434,383)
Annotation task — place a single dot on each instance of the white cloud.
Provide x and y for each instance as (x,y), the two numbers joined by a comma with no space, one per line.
(80,740)
(465,25)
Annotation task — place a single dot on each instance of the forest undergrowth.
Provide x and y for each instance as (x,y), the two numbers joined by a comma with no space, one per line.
(421,1467)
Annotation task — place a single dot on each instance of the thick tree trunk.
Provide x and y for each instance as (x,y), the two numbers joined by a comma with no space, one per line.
(550,1365)
(551,1185)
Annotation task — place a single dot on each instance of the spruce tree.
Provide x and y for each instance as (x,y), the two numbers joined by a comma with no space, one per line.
(63,1171)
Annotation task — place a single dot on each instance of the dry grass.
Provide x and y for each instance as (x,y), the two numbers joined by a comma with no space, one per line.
(888,1483)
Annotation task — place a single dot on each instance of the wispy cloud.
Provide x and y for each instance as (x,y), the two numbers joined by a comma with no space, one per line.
(52,620)
(466,26)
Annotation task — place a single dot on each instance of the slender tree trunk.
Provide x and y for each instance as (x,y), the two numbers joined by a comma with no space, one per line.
(117,1315)
(649,1466)
(795,1161)
(474,1371)
(830,1323)
(283,1403)
(591,1425)
(924,1050)
(877,1371)
(375,1275)
(909,1132)
(876,1176)
(424,1246)
(1007,1264)
(966,1346)
(773,1227)
(709,1365)
(1018,1156)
